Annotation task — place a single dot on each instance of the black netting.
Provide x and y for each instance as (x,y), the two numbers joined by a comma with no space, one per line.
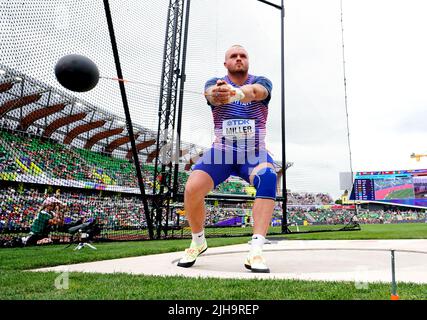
(75,146)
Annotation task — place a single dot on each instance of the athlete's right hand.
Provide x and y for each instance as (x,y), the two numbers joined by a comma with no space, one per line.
(221,93)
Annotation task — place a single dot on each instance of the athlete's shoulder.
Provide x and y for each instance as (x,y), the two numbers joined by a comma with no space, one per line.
(264,81)
(259,77)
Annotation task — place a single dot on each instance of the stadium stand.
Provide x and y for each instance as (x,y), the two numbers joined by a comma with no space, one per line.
(23,153)
(27,154)
(231,187)
(305,198)
(18,209)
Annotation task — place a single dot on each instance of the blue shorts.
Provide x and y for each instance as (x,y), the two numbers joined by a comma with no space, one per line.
(220,164)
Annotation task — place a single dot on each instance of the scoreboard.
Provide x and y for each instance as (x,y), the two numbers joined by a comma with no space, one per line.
(408,187)
(364,189)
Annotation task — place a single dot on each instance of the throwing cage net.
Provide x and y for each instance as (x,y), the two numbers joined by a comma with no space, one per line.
(77,148)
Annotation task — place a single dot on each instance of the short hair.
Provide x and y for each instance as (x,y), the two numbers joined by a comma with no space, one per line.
(233,46)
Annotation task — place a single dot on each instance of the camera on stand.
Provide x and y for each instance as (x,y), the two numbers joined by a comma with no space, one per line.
(83,233)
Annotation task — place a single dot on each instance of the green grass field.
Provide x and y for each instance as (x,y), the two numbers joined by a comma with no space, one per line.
(401,194)
(16,283)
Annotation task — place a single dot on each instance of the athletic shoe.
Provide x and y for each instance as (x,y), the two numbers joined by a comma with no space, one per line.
(24,240)
(191,254)
(256,263)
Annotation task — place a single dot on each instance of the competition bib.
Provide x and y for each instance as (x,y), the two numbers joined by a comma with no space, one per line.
(238,128)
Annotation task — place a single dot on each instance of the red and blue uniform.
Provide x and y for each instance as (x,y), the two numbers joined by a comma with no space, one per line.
(240,130)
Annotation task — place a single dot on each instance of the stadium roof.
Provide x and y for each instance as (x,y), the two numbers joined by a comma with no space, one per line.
(29,105)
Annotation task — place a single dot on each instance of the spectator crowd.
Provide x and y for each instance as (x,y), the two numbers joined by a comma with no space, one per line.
(18,209)
(305,198)
(24,154)
(21,153)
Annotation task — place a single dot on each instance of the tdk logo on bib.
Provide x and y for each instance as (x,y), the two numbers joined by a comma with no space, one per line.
(237,122)
(238,128)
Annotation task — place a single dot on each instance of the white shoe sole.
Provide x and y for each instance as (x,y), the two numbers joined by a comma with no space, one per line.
(190,263)
(247,266)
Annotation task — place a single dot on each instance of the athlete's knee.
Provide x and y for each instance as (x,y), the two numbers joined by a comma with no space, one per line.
(265,183)
(198,186)
(190,190)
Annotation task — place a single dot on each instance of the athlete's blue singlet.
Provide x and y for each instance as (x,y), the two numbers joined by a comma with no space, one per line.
(241,126)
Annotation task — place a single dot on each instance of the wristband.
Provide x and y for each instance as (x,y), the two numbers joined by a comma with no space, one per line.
(238,94)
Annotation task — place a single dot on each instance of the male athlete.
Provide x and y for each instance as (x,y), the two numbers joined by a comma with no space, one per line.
(239,104)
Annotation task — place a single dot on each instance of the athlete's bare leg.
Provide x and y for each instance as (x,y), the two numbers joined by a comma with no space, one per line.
(197,187)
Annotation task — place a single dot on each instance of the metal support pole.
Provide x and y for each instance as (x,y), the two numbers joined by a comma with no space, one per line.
(128,118)
(180,103)
(285,228)
(167,111)
(165,174)
(394,295)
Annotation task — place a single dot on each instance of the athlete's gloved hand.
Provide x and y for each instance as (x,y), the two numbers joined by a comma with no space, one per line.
(236,94)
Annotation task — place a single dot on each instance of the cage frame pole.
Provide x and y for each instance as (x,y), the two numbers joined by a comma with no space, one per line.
(285,228)
(128,117)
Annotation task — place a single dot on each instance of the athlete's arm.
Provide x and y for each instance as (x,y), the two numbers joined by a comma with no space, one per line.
(259,90)
(254,92)
(222,93)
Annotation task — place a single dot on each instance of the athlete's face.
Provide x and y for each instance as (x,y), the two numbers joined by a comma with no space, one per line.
(236,60)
